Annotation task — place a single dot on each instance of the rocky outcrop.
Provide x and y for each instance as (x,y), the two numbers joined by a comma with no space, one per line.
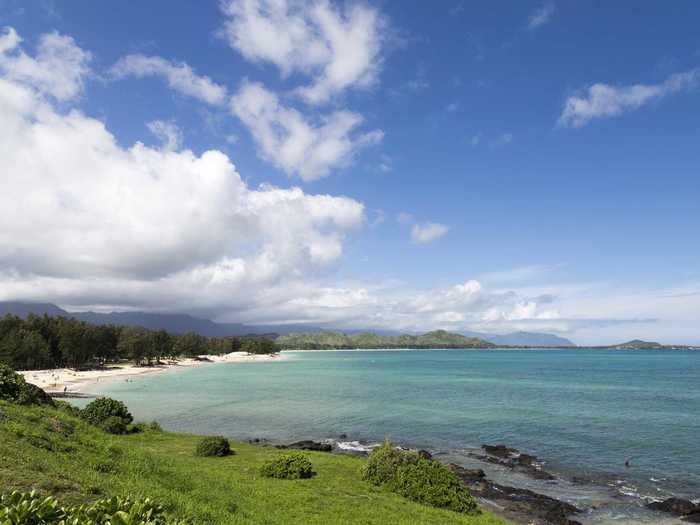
(679,507)
(519,505)
(513,459)
(309,445)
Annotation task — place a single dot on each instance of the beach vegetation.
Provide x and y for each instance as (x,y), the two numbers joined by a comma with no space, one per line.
(15,389)
(30,508)
(384,461)
(418,479)
(293,465)
(102,409)
(44,342)
(217,446)
(432,483)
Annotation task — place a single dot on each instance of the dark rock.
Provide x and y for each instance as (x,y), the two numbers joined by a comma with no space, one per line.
(525,505)
(692,518)
(467,475)
(309,445)
(425,454)
(677,506)
(500,451)
(343,436)
(527,460)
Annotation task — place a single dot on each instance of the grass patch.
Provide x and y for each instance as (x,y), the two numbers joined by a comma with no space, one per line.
(58,454)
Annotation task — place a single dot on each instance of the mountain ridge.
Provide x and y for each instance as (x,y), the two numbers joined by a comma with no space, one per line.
(178,323)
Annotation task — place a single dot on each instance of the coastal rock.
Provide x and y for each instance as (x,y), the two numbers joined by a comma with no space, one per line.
(467,475)
(511,458)
(309,445)
(692,518)
(425,454)
(525,506)
(679,506)
(500,451)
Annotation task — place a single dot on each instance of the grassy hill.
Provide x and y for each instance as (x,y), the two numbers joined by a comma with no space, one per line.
(366,340)
(47,449)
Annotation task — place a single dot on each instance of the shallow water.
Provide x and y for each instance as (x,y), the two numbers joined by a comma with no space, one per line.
(582,411)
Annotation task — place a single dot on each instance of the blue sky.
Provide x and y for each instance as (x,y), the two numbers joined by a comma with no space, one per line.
(468,165)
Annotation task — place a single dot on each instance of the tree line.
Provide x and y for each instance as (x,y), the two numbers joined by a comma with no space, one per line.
(42,341)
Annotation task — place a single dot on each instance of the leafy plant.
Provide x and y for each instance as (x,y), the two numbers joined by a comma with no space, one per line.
(20,508)
(422,480)
(114,425)
(432,483)
(101,409)
(288,466)
(383,463)
(213,446)
(15,389)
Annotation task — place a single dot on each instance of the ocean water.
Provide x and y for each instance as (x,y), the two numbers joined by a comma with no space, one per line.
(583,412)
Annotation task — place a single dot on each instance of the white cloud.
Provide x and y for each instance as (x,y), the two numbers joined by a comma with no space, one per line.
(84,220)
(541,15)
(427,232)
(180,77)
(604,100)
(167,132)
(57,70)
(339,48)
(475,140)
(294,144)
(502,140)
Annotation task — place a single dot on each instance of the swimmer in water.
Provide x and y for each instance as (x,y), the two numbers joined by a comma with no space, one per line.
(628,462)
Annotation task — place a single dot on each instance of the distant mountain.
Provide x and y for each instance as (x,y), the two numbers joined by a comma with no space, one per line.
(638,344)
(23,309)
(366,340)
(522,339)
(173,323)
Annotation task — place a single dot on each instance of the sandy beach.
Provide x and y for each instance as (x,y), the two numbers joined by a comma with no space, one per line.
(73,381)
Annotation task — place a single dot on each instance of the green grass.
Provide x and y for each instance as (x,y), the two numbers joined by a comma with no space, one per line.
(48,450)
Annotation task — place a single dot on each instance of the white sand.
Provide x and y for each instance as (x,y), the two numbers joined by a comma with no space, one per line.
(73,381)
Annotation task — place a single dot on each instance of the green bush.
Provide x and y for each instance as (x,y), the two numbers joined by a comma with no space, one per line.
(101,409)
(20,508)
(383,463)
(432,483)
(213,446)
(65,406)
(288,466)
(114,425)
(15,389)
(418,479)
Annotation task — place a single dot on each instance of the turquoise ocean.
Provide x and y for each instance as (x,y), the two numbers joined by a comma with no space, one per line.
(583,412)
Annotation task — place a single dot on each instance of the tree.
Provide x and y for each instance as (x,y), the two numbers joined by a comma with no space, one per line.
(190,344)
(134,343)
(259,345)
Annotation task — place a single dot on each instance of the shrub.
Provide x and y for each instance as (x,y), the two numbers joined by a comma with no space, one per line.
(103,408)
(432,483)
(15,389)
(384,462)
(114,425)
(288,466)
(65,406)
(418,479)
(213,446)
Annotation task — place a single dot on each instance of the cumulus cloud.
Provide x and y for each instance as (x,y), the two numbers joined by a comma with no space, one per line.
(167,132)
(84,220)
(339,48)
(604,100)
(542,15)
(293,143)
(179,76)
(427,232)
(58,69)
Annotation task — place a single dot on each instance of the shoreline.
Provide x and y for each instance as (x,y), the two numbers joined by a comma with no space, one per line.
(68,381)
